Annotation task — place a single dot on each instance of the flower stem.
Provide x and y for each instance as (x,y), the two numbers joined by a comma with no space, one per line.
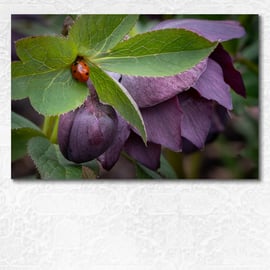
(50,127)
(54,133)
(47,125)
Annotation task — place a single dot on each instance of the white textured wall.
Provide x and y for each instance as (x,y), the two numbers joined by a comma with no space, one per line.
(133,226)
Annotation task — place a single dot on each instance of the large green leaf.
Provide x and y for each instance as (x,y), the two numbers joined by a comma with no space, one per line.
(98,33)
(158,53)
(114,94)
(22,131)
(44,75)
(49,161)
(50,93)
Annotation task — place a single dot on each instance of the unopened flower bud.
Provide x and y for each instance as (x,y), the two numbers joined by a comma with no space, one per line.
(87,132)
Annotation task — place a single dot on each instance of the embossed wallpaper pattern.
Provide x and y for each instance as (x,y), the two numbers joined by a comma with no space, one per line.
(130,225)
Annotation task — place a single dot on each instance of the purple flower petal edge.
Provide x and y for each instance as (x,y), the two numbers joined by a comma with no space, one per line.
(197,114)
(163,123)
(211,85)
(149,91)
(149,156)
(212,30)
(231,76)
(112,154)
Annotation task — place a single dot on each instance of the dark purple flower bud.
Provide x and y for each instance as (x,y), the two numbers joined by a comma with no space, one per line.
(87,132)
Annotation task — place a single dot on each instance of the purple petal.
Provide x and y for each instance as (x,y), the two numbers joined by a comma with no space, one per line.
(196,120)
(112,154)
(210,29)
(65,126)
(211,85)
(149,156)
(151,91)
(231,75)
(219,119)
(163,123)
(188,147)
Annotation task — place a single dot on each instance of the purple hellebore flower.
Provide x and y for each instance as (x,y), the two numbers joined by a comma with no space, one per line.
(180,112)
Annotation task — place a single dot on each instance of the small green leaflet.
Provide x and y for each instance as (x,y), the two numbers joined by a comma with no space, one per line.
(165,171)
(18,121)
(22,131)
(158,53)
(50,162)
(143,172)
(95,34)
(47,52)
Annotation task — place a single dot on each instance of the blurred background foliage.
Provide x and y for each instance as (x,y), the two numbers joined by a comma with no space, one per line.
(235,152)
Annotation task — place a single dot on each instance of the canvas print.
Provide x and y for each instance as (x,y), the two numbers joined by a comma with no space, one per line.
(135,97)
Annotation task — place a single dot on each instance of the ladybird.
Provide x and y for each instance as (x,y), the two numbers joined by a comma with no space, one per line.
(80,70)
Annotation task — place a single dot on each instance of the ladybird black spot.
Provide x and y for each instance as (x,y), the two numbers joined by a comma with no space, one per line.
(74,71)
(87,73)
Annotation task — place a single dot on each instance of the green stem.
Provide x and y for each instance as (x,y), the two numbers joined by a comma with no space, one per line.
(54,133)
(50,127)
(47,125)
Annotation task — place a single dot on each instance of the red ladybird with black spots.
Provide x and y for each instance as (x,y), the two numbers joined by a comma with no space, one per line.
(80,70)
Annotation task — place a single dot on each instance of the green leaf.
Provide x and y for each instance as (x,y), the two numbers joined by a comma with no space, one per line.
(22,131)
(18,121)
(158,53)
(49,52)
(19,139)
(144,173)
(50,162)
(44,75)
(97,33)
(50,93)
(114,94)
(166,170)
